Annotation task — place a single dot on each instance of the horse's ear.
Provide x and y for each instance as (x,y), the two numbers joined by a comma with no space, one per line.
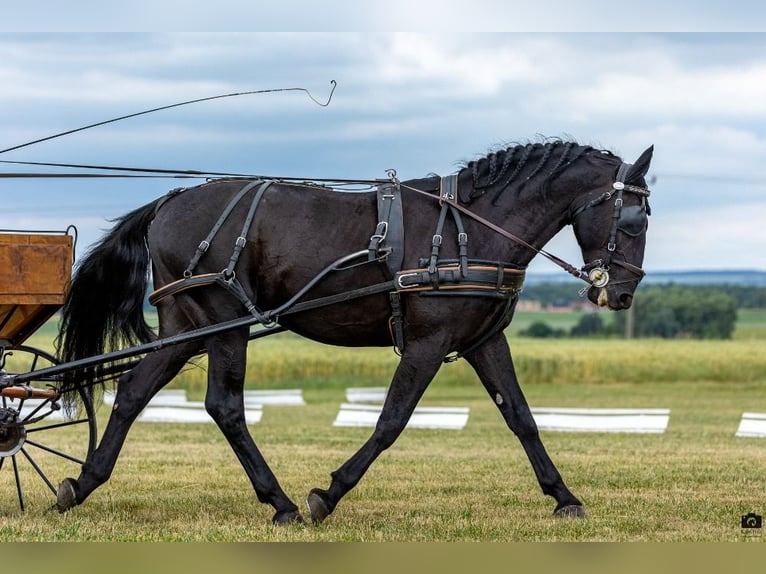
(639,169)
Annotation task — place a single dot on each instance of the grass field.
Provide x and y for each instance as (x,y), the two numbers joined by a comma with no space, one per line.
(182,482)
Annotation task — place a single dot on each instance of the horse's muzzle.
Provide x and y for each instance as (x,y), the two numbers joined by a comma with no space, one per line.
(614,299)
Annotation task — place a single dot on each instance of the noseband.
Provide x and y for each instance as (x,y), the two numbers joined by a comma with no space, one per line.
(631,220)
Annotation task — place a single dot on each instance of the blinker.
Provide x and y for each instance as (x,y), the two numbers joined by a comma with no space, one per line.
(633,220)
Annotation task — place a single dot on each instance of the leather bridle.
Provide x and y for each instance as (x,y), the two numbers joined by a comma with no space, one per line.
(631,220)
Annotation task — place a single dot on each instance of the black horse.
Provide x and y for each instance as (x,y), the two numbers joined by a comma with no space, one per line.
(440,281)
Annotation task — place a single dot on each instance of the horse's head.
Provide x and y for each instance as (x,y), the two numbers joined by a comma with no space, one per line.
(611,230)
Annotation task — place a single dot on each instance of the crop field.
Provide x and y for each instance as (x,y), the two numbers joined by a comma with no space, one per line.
(181,482)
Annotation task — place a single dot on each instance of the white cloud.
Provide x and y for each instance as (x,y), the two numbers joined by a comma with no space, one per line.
(414,102)
(713,238)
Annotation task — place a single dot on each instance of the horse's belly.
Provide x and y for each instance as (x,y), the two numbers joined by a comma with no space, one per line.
(347,328)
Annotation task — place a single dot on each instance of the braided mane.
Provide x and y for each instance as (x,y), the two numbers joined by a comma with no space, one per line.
(521,163)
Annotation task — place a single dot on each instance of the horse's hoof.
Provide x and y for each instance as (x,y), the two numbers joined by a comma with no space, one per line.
(318,508)
(570,511)
(284,517)
(66,495)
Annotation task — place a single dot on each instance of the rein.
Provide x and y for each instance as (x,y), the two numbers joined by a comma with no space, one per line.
(451,200)
(596,273)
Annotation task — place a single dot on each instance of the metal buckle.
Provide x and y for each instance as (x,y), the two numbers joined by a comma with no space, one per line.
(402,276)
(383,226)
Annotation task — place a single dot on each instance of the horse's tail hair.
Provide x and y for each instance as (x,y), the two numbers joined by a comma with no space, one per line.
(103,309)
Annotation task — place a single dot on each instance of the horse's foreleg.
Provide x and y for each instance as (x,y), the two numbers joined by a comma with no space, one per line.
(493,363)
(415,371)
(224,402)
(134,390)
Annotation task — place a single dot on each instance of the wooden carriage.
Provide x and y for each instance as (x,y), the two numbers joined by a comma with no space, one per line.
(35,270)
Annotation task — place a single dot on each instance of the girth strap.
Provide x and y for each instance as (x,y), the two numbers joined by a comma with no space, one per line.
(473,277)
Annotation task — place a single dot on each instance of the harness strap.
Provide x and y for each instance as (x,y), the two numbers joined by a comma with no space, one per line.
(227,277)
(396,321)
(205,244)
(448,193)
(182,285)
(502,322)
(206,279)
(619,186)
(242,239)
(436,244)
(388,237)
(462,239)
(457,278)
(474,277)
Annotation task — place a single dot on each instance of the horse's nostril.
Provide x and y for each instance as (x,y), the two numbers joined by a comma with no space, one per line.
(625,300)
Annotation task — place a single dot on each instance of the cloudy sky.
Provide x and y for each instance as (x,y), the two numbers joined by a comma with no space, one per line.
(417,102)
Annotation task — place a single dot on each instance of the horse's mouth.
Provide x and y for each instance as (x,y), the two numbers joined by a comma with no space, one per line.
(613,302)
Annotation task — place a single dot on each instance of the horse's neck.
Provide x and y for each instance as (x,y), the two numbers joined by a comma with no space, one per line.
(529,215)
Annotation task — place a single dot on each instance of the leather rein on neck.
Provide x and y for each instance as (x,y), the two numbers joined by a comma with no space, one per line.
(595,274)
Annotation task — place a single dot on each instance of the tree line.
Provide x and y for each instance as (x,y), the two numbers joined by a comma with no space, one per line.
(563,293)
(667,311)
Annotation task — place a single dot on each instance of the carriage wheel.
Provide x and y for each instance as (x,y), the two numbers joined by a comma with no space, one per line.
(39,442)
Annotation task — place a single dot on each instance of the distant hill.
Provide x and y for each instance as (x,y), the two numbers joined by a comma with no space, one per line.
(744,277)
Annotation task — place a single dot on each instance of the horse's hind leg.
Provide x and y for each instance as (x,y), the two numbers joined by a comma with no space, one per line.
(225,404)
(418,366)
(134,390)
(493,363)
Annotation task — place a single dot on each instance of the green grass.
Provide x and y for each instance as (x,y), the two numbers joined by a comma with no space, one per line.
(751,324)
(563,320)
(286,360)
(182,483)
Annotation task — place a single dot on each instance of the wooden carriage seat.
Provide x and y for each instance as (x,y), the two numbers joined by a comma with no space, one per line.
(35,270)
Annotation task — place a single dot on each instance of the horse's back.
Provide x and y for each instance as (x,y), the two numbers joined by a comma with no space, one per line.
(296,232)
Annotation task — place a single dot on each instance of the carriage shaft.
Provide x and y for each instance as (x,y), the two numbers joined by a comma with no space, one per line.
(26,392)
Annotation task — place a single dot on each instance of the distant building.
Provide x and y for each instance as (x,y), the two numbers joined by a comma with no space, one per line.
(525,305)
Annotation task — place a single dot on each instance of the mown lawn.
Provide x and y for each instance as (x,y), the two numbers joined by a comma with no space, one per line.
(178,482)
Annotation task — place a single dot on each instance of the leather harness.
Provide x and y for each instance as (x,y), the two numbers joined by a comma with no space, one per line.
(436,277)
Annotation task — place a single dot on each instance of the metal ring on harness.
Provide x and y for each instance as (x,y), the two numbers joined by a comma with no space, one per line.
(598,277)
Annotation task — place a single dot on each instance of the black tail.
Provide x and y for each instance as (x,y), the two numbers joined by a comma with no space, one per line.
(103,310)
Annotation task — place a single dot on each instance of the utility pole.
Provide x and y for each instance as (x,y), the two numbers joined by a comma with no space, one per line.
(630,322)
